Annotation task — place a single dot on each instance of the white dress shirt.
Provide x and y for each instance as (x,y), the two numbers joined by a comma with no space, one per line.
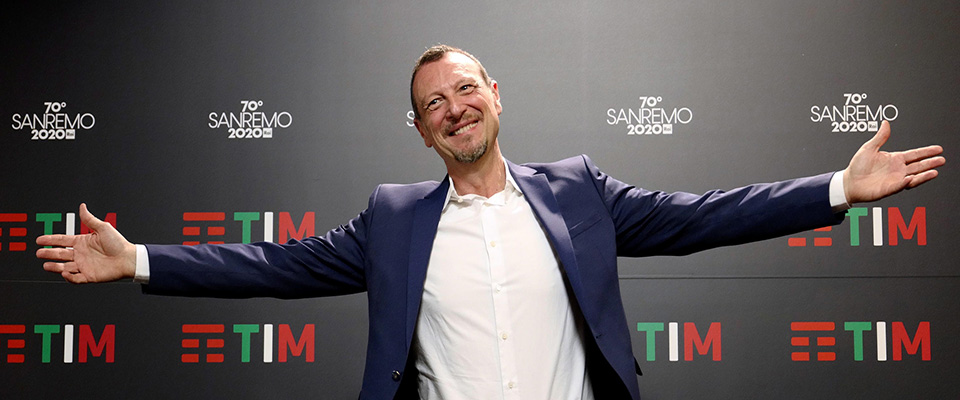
(495,320)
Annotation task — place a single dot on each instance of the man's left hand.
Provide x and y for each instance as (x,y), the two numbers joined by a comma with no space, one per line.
(874,174)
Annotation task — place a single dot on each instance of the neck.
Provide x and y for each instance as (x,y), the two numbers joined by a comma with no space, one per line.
(485,177)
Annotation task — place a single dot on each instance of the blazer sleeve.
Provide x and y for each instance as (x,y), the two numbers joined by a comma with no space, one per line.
(327,265)
(658,223)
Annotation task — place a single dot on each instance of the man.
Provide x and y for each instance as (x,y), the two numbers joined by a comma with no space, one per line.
(462,275)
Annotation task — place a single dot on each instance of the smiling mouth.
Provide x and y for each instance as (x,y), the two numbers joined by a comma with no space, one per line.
(462,129)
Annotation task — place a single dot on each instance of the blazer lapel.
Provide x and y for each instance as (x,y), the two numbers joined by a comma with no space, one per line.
(426,217)
(536,189)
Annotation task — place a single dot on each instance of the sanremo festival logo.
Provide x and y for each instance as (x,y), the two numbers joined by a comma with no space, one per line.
(854,115)
(650,117)
(250,122)
(54,124)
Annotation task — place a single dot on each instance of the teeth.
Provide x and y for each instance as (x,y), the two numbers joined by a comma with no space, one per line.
(463,129)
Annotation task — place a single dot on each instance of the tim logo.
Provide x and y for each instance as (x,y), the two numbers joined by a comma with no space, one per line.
(709,343)
(900,226)
(212,227)
(204,343)
(818,341)
(20,345)
(17,227)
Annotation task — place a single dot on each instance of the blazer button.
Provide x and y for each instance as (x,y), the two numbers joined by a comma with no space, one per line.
(395,375)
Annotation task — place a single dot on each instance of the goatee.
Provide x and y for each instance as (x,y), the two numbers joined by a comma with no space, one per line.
(469,157)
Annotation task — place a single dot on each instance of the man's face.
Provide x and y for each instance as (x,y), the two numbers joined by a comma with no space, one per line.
(459,112)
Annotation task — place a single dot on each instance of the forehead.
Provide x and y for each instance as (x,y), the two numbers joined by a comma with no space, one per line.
(444,73)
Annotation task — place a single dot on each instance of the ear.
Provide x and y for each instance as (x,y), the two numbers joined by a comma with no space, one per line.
(427,140)
(496,95)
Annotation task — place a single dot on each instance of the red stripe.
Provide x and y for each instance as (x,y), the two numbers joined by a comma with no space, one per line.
(190,358)
(214,358)
(826,356)
(189,243)
(811,326)
(13,328)
(797,242)
(215,343)
(191,230)
(215,242)
(216,230)
(190,343)
(826,341)
(14,358)
(822,242)
(204,216)
(16,343)
(18,246)
(20,232)
(800,341)
(203,328)
(800,356)
(13,217)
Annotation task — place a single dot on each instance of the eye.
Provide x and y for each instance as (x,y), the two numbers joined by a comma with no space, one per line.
(433,104)
(467,88)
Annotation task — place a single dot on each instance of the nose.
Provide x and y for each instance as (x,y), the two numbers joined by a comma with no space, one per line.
(455,109)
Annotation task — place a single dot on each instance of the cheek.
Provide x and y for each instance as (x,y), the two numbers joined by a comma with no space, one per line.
(424,132)
(432,131)
(489,104)
(437,126)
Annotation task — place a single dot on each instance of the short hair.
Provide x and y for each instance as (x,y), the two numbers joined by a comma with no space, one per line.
(435,53)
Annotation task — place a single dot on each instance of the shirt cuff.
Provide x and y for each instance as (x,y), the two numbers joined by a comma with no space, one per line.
(838,199)
(142,274)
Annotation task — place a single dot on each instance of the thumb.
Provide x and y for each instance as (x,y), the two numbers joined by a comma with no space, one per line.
(89,220)
(880,138)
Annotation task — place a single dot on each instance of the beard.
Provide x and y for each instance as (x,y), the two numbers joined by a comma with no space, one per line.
(470,156)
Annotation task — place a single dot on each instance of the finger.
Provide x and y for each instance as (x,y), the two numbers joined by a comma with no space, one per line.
(919,179)
(58,267)
(912,155)
(88,219)
(59,253)
(51,266)
(879,139)
(74,277)
(924,165)
(57,240)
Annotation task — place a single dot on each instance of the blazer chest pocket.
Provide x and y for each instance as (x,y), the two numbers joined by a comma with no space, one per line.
(584,224)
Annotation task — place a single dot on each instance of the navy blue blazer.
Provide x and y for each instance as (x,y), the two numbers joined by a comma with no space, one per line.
(589,218)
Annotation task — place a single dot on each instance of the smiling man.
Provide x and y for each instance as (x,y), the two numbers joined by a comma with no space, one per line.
(457,109)
(500,280)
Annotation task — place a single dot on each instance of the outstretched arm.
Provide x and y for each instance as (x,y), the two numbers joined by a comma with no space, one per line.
(103,255)
(874,174)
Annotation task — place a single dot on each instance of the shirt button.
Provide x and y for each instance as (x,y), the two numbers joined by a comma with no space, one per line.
(395,375)
(493,244)
(503,336)
(511,385)
(497,288)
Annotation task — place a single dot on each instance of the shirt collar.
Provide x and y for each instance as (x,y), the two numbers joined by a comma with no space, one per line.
(510,185)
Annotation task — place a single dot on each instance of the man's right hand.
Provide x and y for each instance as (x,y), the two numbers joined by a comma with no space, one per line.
(103,255)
